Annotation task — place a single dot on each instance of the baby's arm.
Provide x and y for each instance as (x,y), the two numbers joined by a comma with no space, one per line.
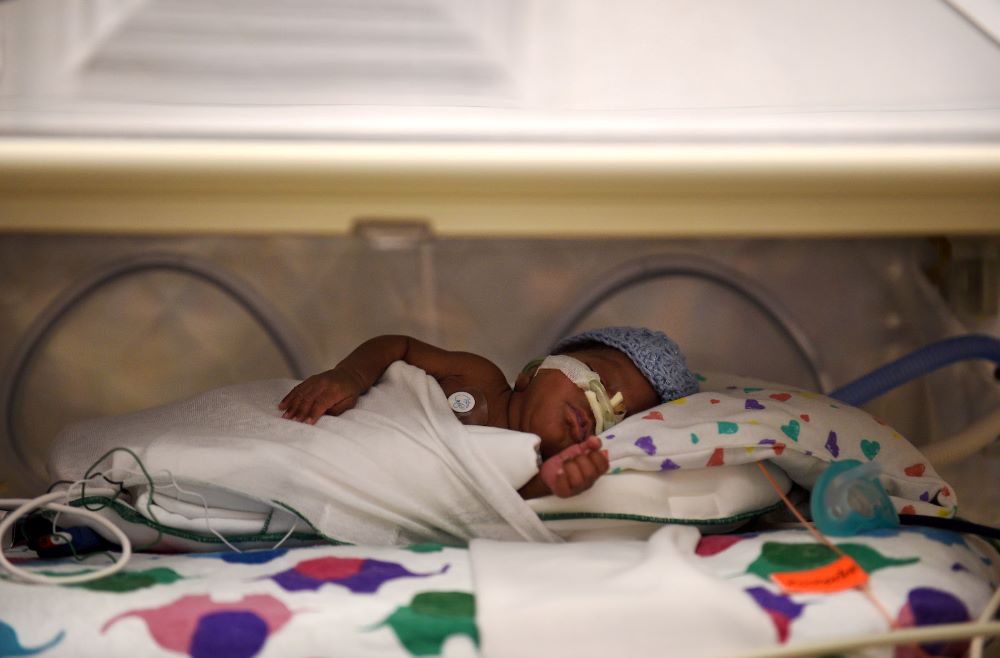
(570,472)
(338,389)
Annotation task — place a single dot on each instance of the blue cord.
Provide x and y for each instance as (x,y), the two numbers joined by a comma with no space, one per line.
(917,364)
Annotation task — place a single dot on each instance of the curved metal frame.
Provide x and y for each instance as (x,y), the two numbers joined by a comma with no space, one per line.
(258,308)
(659,266)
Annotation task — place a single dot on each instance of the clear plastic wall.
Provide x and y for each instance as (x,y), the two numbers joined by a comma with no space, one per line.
(154,333)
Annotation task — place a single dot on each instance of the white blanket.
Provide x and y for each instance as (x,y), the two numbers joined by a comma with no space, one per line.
(602,598)
(397,469)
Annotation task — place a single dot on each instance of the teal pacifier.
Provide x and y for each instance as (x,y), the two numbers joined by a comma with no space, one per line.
(848,498)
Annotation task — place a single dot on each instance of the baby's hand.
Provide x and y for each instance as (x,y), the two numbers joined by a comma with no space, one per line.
(575,469)
(332,392)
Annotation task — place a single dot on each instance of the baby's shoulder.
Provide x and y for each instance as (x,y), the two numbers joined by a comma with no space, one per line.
(475,369)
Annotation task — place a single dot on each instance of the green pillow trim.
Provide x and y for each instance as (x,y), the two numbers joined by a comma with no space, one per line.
(129,514)
(743,516)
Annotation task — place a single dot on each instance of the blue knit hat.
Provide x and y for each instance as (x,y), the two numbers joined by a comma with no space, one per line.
(653,353)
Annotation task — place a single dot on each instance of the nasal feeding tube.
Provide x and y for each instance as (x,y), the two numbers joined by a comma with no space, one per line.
(607,410)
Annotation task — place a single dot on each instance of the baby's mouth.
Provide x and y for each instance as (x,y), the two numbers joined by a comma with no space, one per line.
(581,426)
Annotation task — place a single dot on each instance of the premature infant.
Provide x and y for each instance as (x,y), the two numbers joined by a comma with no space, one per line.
(592,381)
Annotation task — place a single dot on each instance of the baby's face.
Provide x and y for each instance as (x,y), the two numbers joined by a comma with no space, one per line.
(557,410)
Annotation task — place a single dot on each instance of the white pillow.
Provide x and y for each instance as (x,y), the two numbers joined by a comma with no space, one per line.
(736,420)
(634,504)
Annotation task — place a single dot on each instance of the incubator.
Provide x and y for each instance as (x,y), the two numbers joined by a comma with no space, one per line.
(798,193)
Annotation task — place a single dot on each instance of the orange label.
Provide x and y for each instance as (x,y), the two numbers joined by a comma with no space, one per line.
(843,573)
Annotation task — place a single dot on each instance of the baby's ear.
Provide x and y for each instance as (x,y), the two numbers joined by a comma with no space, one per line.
(527,372)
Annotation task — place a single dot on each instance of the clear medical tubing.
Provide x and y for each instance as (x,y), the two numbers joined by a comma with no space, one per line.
(968,442)
(259,309)
(917,364)
(665,265)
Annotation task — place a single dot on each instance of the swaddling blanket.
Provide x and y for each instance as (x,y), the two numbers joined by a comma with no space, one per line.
(399,468)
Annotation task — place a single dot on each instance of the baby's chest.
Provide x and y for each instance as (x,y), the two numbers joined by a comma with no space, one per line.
(468,403)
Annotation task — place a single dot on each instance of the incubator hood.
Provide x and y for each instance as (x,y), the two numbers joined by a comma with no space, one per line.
(502,70)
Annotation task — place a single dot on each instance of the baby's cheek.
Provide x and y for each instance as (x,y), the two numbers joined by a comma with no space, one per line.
(555,447)
(551,442)
(547,449)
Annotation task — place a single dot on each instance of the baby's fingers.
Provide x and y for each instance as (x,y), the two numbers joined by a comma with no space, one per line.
(296,411)
(289,404)
(289,398)
(599,458)
(584,470)
(581,473)
(299,408)
(559,485)
(312,409)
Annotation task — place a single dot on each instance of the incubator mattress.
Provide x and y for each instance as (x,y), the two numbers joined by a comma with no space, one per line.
(434,600)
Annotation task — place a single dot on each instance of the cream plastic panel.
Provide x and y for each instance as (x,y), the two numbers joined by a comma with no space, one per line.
(518,190)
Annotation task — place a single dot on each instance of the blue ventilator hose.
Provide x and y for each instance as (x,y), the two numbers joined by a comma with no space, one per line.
(917,364)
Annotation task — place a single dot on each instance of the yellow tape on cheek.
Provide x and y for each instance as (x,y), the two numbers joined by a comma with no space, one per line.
(595,407)
(606,412)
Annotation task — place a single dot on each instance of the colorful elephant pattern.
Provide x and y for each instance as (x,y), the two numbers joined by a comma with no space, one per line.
(347,600)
